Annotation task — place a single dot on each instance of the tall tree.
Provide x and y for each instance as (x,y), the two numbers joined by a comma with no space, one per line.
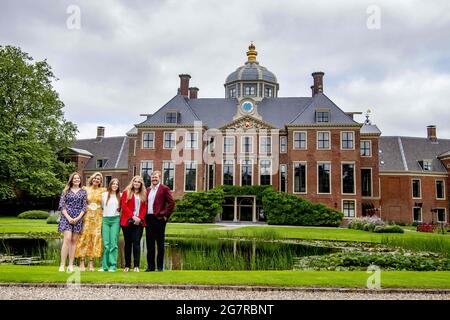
(33,132)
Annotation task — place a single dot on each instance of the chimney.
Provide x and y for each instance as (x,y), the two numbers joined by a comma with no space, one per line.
(312,91)
(193,92)
(318,82)
(100,133)
(184,84)
(431,133)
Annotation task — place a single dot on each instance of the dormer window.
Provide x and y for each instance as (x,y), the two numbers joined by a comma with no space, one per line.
(101,163)
(172,117)
(426,165)
(322,116)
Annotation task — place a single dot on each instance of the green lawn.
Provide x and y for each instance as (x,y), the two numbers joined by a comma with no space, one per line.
(403,279)
(15,225)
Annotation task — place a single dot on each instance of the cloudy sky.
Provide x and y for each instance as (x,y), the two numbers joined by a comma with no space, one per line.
(119,59)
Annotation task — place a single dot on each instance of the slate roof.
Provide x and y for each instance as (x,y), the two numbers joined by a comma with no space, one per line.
(319,101)
(115,149)
(217,112)
(251,71)
(370,129)
(404,153)
(81,151)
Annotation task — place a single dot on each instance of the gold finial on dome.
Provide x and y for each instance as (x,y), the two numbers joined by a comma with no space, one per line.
(251,53)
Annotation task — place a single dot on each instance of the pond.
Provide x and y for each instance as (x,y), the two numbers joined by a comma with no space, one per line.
(180,253)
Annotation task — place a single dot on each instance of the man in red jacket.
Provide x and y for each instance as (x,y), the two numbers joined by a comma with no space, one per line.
(160,206)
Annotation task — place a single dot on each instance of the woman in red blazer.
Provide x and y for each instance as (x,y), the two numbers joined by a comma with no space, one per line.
(132,221)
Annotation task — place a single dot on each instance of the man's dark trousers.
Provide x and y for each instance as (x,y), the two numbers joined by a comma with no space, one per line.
(155,232)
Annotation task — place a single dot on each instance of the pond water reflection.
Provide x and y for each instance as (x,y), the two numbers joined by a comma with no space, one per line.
(180,253)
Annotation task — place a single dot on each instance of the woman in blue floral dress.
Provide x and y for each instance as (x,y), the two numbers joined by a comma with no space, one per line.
(72,204)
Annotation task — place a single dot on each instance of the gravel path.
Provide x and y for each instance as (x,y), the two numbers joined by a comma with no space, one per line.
(30,292)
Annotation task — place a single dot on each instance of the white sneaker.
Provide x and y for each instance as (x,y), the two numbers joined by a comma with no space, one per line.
(100,270)
(136,269)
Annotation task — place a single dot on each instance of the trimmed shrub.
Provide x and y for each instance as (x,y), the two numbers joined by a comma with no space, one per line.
(389,229)
(199,207)
(53,219)
(366,223)
(287,209)
(34,214)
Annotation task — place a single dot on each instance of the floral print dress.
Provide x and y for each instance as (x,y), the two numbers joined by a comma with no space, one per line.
(74,203)
(89,244)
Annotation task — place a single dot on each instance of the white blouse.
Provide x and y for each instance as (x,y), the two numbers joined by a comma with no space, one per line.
(110,209)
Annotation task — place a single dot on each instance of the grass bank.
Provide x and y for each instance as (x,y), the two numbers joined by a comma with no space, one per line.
(350,279)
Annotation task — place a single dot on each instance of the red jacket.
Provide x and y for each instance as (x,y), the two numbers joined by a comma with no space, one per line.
(128,208)
(164,204)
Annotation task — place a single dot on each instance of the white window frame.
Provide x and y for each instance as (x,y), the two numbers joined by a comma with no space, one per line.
(140,167)
(354,178)
(443,189)
(233,146)
(317,172)
(421,216)
(269,138)
(420,188)
(306,140)
(176,116)
(234,171)
(279,182)
(370,148)
(154,136)
(196,174)
(354,140)
(371,182)
(342,208)
(285,144)
(270,170)
(175,140)
(174,172)
(186,145)
(329,140)
(211,146)
(207,175)
(445,215)
(135,146)
(306,177)
(240,175)
(242,144)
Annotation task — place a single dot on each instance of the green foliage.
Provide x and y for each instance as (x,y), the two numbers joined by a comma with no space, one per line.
(288,209)
(33,132)
(388,229)
(256,190)
(199,207)
(437,244)
(53,219)
(34,214)
(386,261)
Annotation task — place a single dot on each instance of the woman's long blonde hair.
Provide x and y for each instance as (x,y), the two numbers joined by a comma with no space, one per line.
(70,182)
(109,190)
(92,178)
(142,191)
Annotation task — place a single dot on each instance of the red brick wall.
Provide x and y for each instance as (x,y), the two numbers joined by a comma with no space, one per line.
(397,201)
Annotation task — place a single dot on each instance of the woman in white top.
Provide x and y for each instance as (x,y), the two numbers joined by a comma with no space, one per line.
(111,226)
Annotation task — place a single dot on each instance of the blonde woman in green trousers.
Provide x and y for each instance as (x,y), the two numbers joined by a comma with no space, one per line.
(110,226)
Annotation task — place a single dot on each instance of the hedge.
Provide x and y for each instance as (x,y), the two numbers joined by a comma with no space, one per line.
(34,214)
(287,209)
(199,207)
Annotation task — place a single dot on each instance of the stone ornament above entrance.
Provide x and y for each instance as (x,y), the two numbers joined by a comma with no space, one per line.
(247,123)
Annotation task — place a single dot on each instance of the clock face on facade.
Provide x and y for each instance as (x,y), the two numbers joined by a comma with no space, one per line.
(247,107)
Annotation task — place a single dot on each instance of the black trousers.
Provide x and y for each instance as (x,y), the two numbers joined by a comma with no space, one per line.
(132,236)
(155,232)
